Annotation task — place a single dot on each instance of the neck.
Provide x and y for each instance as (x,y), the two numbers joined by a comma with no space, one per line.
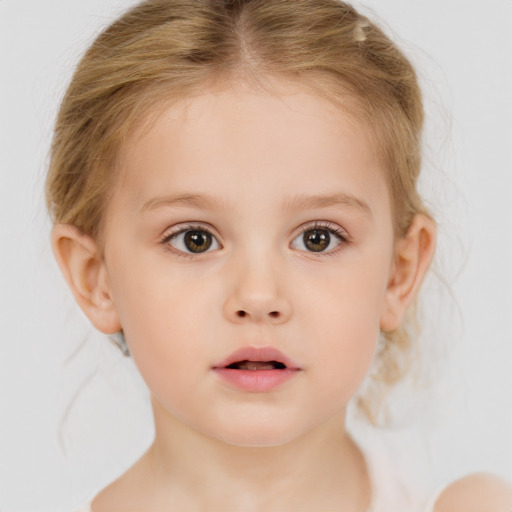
(323,466)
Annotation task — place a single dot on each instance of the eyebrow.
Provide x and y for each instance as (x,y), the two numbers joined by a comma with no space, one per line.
(200,201)
(307,202)
(297,202)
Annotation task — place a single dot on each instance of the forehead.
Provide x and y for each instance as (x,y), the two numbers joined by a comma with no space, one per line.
(290,139)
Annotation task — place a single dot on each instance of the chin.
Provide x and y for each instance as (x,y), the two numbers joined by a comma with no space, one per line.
(257,434)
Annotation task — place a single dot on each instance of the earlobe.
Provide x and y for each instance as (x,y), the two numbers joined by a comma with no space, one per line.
(413,256)
(80,262)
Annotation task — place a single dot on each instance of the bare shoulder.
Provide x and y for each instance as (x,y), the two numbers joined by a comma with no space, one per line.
(479,492)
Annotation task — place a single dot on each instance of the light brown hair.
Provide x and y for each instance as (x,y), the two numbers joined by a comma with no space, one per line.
(168,49)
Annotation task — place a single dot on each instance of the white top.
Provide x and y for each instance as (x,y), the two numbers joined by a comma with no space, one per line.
(392,491)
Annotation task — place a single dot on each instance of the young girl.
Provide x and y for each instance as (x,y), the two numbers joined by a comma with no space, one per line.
(233,187)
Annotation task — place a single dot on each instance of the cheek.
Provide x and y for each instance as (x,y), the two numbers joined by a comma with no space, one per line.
(163,315)
(350,342)
(169,343)
(342,324)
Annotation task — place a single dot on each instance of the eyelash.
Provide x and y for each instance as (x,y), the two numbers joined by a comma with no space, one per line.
(341,235)
(189,227)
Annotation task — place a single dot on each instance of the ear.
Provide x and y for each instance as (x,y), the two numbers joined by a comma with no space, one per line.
(82,265)
(413,256)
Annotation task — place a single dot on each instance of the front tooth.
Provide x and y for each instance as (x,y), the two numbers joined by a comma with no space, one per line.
(255,365)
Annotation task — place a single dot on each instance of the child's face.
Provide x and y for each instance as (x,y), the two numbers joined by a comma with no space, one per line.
(246,174)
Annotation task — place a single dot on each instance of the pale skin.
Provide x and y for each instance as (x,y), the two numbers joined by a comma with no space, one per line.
(254,171)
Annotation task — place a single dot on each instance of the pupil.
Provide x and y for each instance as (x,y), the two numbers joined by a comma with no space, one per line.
(317,240)
(198,241)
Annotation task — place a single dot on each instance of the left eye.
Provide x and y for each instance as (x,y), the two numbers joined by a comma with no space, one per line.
(317,239)
(193,241)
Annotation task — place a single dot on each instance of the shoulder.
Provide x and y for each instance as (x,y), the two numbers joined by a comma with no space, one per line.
(479,492)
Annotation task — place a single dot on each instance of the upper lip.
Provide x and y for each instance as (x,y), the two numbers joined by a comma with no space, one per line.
(258,354)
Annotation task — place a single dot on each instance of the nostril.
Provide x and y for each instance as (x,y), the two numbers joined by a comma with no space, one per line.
(274,314)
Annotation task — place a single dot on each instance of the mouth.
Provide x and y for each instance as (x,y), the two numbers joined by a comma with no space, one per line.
(256,365)
(257,358)
(256,369)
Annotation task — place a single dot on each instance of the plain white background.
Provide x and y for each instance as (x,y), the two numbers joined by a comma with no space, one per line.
(53,457)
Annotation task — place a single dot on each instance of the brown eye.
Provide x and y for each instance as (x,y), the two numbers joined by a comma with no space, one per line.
(198,241)
(193,241)
(320,239)
(317,240)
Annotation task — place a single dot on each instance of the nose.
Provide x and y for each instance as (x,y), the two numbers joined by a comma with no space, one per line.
(257,294)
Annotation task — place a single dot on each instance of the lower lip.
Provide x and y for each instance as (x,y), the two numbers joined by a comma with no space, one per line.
(257,381)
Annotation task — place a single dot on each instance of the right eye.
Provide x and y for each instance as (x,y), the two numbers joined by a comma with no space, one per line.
(193,240)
